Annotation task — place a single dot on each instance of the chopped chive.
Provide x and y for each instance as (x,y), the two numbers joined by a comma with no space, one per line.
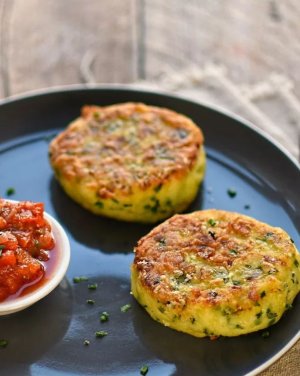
(158,188)
(263,294)
(80,279)
(271,315)
(296,263)
(265,334)
(212,234)
(236,283)
(292,240)
(10,191)
(125,308)
(144,370)
(247,207)
(104,316)
(3,343)
(99,204)
(101,334)
(92,286)
(233,251)
(86,342)
(231,192)
(212,222)
(90,301)
(115,200)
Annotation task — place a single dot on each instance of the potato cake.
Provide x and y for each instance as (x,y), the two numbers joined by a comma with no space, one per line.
(130,161)
(215,273)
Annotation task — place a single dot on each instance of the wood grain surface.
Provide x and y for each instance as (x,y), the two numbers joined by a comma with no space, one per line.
(45,43)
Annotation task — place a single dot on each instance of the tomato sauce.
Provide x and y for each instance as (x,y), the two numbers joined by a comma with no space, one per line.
(25,242)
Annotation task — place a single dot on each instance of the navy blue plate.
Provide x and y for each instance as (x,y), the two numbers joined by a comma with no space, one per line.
(47,338)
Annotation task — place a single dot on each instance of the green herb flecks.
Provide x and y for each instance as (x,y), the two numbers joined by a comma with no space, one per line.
(99,204)
(92,286)
(296,263)
(265,334)
(212,222)
(127,205)
(10,191)
(271,314)
(247,207)
(263,294)
(231,192)
(158,188)
(104,316)
(3,343)
(144,370)
(233,252)
(90,301)
(101,334)
(125,308)
(80,279)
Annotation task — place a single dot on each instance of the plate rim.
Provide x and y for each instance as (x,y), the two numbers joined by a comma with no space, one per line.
(59,89)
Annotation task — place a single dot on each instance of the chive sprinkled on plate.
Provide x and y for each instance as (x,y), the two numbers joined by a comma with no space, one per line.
(265,334)
(104,316)
(3,343)
(101,334)
(80,279)
(231,192)
(92,286)
(144,370)
(90,301)
(125,308)
(247,207)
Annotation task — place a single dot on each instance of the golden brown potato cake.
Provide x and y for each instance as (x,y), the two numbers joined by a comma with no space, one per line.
(130,161)
(215,273)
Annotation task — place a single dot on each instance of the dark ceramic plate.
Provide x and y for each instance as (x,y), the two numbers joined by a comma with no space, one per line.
(47,338)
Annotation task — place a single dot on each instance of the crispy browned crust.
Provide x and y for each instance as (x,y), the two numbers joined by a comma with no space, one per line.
(123,146)
(212,257)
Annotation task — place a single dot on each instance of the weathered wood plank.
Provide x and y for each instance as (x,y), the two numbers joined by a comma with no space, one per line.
(62,42)
(251,38)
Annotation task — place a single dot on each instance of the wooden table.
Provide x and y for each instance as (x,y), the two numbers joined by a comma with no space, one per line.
(57,42)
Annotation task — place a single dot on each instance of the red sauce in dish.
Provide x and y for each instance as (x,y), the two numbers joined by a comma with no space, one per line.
(25,242)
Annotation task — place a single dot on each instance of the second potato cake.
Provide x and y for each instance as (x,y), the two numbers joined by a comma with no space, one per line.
(130,161)
(216,273)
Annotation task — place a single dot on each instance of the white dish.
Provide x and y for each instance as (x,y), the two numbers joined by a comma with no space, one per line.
(62,247)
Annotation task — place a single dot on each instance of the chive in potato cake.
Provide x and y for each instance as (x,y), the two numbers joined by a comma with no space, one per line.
(216,273)
(130,161)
